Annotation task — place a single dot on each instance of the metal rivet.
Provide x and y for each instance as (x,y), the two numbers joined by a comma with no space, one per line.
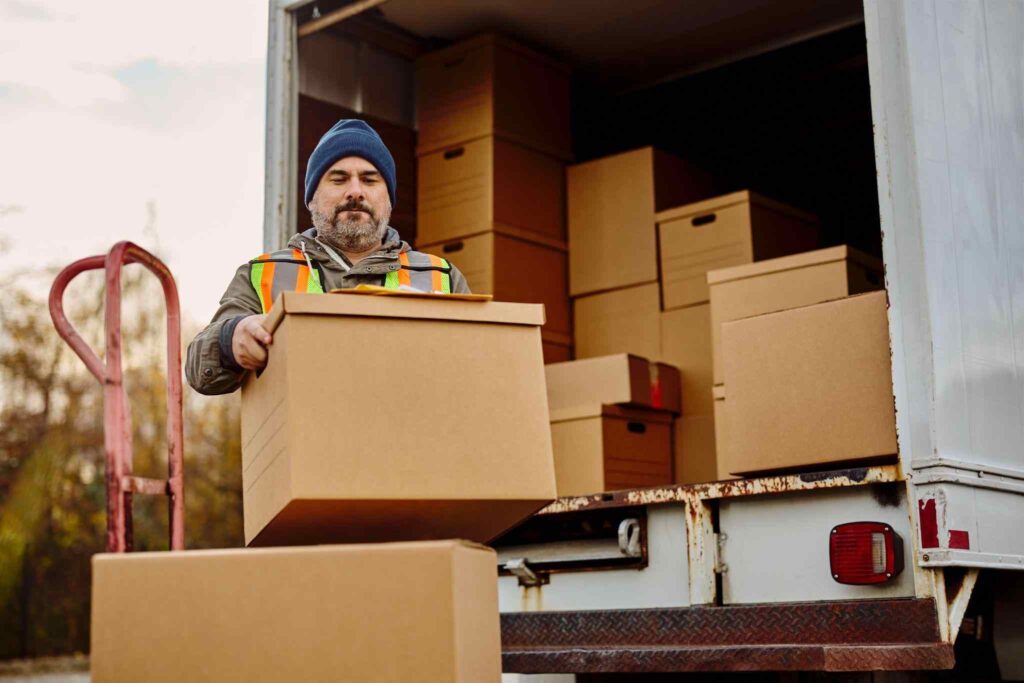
(926,558)
(835,576)
(208,372)
(888,575)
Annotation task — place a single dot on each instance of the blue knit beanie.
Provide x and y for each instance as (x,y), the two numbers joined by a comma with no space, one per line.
(350,138)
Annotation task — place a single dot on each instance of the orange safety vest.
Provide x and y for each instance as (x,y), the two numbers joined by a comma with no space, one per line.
(288,270)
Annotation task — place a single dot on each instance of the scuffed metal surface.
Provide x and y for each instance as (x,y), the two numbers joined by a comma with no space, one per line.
(734,488)
(731,658)
(836,636)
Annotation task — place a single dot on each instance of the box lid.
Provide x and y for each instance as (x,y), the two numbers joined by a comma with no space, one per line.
(793,262)
(422,307)
(488,39)
(726,200)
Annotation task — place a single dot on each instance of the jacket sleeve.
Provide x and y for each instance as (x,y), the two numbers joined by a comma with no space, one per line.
(459,284)
(207,369)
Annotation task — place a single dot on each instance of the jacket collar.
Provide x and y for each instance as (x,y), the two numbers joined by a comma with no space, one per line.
(391,246)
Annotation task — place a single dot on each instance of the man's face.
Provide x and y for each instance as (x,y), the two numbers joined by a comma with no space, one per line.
(351,206)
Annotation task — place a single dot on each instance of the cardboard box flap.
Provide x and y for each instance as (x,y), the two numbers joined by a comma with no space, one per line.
(807,258)
(439,307)
(718,203)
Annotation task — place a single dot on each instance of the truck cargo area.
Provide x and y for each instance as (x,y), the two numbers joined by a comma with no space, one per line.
(779,98)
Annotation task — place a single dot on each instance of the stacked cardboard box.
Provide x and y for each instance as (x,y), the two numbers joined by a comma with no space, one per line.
(379,417)
(611,423)
(491,190)
(808,387)
(776,285)
(642,237)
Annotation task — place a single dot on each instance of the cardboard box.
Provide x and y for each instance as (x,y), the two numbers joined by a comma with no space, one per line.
(695,459)
(395,418)
(611,207)
(385,612)
(622,379)
(479,87)
(489,184)
(514,269)
(787,282)
(730,230)
(610,448)
(622,321)
(686,344)
(808,388)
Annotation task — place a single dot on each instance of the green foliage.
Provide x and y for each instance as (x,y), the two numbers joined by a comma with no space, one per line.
(52,491)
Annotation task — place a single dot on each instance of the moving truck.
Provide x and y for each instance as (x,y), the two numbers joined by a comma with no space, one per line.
(897,122)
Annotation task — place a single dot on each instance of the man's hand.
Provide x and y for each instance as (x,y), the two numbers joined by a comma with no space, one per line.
(249,342)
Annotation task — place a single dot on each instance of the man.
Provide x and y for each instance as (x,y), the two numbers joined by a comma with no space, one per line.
(350,191)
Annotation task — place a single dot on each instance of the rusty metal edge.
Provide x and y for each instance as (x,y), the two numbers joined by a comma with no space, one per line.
(657,495)
(880,657)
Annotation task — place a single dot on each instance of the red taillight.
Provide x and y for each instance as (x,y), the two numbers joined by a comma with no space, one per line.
(864,553)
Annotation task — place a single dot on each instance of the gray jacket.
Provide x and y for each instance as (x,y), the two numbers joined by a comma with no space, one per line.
(210,366)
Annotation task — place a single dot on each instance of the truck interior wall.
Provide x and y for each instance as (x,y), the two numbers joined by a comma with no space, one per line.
(793,124)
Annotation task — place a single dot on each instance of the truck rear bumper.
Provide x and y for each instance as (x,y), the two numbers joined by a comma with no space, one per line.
(867,635)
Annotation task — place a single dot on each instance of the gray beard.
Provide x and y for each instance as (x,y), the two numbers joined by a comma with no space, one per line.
(348,235)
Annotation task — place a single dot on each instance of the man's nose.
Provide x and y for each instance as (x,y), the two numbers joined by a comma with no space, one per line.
(355,190)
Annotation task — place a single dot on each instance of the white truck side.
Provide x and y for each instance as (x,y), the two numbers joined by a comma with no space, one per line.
(613,582)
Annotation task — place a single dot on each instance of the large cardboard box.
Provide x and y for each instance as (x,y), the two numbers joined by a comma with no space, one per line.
(686,344)
(622,379)
(611,207)
(489,184)
(809,387)
(514,269)
(694,443)
(625,320)
(395,418)
(386,612)
(609,448)
(725,231)
(787,282)
(489,85)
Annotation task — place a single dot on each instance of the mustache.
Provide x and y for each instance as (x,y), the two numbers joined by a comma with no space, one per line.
(354,205)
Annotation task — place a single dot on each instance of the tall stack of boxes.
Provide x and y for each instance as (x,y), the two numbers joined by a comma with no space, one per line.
(491,191)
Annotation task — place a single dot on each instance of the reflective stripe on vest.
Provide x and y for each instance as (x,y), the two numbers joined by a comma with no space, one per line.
(282,271)
(422,272)
(287,271)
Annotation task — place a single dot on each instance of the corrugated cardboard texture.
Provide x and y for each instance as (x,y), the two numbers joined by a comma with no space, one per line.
(686,344)
(695,460)
(621,378)
(479,185)
(394,428)
(610,449)
(726,231)
(611,207)
(623,321)
(516,270)
(385,612)
(787,282)
(478,88)
(809,387)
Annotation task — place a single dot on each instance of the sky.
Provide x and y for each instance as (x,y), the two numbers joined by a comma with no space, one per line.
(134,120)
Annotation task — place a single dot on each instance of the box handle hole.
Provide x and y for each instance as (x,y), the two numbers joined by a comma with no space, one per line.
(703,220)
(637,427)
(454,153)
(453,247)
